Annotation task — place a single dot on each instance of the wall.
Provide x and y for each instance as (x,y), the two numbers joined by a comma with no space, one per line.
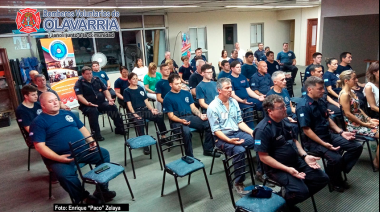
(357,34)
(13,53)
(335,8)
(275,32)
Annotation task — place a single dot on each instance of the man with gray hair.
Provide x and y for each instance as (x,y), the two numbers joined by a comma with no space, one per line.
(167,57)
(32,73)
(196,77)
(230,132)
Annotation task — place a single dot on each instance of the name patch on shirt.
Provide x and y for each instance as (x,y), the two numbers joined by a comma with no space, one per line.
(302,115)
(279,137)
(253,84)
(257,142)
(326,80)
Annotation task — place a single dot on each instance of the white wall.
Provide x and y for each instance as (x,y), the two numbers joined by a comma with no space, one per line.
(276,30)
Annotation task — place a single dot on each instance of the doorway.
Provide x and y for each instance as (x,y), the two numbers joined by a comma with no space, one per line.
(311,45)
(229,37)
(292,34)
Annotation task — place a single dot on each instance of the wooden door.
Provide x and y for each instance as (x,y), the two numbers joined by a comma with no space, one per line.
(311,46)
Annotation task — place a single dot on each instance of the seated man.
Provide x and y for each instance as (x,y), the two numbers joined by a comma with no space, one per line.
(29,109)
(242,93)
(198,54)
(32,73)
(261,81)
(287,59)
(168,57)
(102,75)
(286,161)
(226,70)
(314,119)
(206,90)
(195,79)
(264,57)
(273,65)
(181,110)
(40,81)
(317,60)
(92,94)
(234,57)
(51,133)
(259,53)
(249,69)
(231,134)
(162,86)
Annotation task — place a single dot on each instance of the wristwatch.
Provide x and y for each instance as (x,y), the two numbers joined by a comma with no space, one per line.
(304,156)
(341,132)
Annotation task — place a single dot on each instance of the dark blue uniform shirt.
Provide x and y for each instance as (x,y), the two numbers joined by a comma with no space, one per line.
(163,87)
(91,91)
(340,69)
(207,91)
(259,54)
(330,80)
(178,103)
(273,67)
(308,74)
(237,59)
(194,63)
(223,74)
(121,84)
(102,75)
(240,85)
(261,83)
(248,70)
(135,96)
(286,58)
(26,115)
(194,80)
(186,72)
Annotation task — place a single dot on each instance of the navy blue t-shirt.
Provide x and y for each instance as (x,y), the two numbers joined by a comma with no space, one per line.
(263,58)
(135,96)
(194,80)
(194,63)
(223,74)
(237,59)
(273,67)
(285,95)
(102,76)
(240,85)
(178,103)
(121,84)
(286,58)
(56,131)
(261,83)
(207,91)
(330,80)
(259,54)
(248,70)
(26,115)
(308,74)
(186,72)
(163,87)
(340,69)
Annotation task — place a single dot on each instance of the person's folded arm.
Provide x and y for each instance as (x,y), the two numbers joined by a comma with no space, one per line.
(46,152)
(118,94)
(203,103)
(159,98)
(331,91)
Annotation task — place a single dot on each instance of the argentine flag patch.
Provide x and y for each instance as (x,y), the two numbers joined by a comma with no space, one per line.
(302,115)
(326,80)
(257,142)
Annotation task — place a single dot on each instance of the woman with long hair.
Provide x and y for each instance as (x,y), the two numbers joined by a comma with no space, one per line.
(357,121)
(223,57)
(371,90)
(140,69)
(150,81)
(331,78)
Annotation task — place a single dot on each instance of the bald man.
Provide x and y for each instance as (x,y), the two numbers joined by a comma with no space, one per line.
(261,82)
(51,133)
(33,73)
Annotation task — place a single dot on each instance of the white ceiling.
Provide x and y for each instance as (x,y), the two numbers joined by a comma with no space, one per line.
(9,8)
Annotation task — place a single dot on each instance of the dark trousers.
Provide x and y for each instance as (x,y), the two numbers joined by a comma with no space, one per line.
(336,163)
(68,178)
(292,69)
(93,114)
(232,149)
(147,114)
(297,190)
(196,123)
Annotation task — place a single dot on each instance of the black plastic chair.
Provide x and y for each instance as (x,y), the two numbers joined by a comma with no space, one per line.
(253,116)
(361,138)
(109,120)
(30,145)
(248,203)
(302,75)
(289,86)
(80,150)
(178,168)
(201,134)
(140,141)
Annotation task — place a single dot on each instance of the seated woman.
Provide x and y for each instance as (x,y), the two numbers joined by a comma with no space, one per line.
(137,103)
(140,70)
(171,66)
(357,121)
(371,90)
(150,81)
(331,78)
(223,57)
(120,85)
(185,70)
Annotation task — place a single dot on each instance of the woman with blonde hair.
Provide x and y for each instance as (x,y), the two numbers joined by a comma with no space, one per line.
(171,66)
(371,90)
(356,120)
(150,81)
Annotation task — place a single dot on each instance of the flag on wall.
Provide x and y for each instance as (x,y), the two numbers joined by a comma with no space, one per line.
(186,45)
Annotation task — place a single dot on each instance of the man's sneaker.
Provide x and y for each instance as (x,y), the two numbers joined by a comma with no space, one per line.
(211,154)
(259,177)
(239,188)
(99,138)
(339,189)
(108,195)
(146,151)
(92,200)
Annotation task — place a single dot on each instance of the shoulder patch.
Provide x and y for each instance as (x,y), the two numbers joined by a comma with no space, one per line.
(326,80)
(257,142)
(302,115)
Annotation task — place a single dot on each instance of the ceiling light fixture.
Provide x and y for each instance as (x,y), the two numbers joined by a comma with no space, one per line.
(57,7)
(155,7)
(270,7)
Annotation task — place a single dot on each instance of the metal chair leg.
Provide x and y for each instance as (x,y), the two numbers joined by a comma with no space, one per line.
(314,205)
(101,193)
(129,186)
(103,119)
(325,167)
(150,152)
(370,156)
(125,155)
(208,185)
(179,194)
(133,166)
(29,158)
(109,120)
(188,182)
(50,179)
(163,184)
(159,157)
(212,163)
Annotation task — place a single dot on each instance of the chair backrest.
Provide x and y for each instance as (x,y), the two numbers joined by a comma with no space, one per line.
(24,133)
(80,150)
(175,135)
(342,114)
(129,121)
(250,116)
(230,171)
(302,75)
(289,86)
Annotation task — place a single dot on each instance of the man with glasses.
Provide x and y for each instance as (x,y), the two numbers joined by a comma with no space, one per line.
(206,90)
(285,160)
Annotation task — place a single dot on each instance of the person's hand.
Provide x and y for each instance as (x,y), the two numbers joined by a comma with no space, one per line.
(330,111)
(108,87)
(203,117)
(65,158)
(262,98)
(92,146)
(374,121)
(111,102)
(136,116)
(295,173)
(154,111)
(67,108)
(185,122)
(331,147)
(356,88)
(348,135)
(370,125)
(292,120)
(246,102)
(236,141)
(294,63)
(312,161)
(92,105)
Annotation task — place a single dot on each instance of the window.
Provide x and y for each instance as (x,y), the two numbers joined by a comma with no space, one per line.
(257,34)
(198,39)
(110,47)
